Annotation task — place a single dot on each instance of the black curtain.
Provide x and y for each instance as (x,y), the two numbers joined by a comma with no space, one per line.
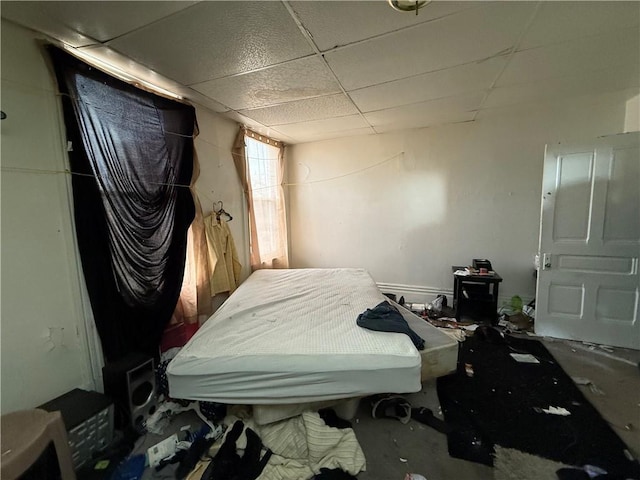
(131,156)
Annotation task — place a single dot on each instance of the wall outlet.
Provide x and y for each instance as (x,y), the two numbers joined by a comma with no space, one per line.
(161,450)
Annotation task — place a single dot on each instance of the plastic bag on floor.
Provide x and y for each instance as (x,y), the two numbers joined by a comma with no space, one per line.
(161,418)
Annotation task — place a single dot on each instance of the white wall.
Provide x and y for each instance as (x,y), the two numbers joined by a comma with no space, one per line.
(632,116)
(218,179)
(43,336)
(446,195)
(44,349)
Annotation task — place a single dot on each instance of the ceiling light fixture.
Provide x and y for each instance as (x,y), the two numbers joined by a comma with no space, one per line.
(408,5)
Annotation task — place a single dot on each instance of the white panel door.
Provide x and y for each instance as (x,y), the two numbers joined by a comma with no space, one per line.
(590,242)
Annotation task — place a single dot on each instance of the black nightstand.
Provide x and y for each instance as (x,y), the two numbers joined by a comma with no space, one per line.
(476,296)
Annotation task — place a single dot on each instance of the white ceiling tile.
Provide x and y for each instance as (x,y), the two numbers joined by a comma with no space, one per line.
(216,39)
(568,58)
(333,24)
(561,21)
(101,21)
(273,133)
(326,126)
(296,80)
(435,112)
(406,71)
(468,36)
(594,82)
(197,97)
(429,86)
(303,110)
(442,119)
(132,69)
(319,136)
(258,127)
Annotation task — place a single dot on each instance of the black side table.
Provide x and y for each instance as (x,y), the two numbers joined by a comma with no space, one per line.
(476,295)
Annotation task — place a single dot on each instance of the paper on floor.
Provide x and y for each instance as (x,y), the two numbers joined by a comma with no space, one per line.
(524,358)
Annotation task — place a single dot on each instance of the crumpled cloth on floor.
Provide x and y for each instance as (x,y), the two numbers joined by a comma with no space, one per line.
(384,317)
(304,445)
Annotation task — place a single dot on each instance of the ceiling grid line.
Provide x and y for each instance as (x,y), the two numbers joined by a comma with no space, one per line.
(309,70)
(514,49)
(437,70)
(320,55)
(141,27)
(255,70)
(406,28)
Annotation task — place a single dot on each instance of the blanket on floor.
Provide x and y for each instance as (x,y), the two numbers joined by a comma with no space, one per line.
(304,445)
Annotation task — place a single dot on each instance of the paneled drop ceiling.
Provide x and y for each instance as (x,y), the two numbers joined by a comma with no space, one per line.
(310,70)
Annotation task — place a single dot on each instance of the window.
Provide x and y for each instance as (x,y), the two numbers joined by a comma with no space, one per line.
(265,174)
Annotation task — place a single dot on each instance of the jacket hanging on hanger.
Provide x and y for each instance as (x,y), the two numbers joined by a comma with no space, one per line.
(224,266)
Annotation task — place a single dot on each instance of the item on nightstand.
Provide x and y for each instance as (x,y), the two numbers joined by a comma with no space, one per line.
(480,264)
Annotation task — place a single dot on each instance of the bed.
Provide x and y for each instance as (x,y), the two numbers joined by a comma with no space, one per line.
(289,337)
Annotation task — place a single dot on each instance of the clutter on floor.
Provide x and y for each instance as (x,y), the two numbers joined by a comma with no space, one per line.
(301,447)
(311,445)
(508,405)
(534,408)
(513,317)
(391,406)
(511,464)
(295,449)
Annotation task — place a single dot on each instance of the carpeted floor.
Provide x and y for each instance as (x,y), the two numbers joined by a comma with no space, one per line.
(494,400)
(510,464)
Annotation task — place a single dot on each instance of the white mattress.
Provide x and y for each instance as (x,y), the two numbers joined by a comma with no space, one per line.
(289,336)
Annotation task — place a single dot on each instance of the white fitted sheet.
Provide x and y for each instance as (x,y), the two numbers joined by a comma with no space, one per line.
(289,336)
(439,357)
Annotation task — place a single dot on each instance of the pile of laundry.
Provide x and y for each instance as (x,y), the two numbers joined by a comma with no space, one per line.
(298,448)
(311,445)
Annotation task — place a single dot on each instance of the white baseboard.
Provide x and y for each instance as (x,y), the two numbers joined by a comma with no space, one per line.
(414,293)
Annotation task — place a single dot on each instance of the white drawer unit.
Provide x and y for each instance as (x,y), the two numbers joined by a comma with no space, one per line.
(88,417)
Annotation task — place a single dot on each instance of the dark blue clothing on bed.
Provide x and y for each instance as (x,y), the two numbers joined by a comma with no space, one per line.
(384,317)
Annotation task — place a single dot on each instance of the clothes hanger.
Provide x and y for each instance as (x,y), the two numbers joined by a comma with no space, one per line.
(221,212)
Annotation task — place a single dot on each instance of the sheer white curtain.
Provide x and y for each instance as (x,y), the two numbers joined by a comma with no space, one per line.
(260,164)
